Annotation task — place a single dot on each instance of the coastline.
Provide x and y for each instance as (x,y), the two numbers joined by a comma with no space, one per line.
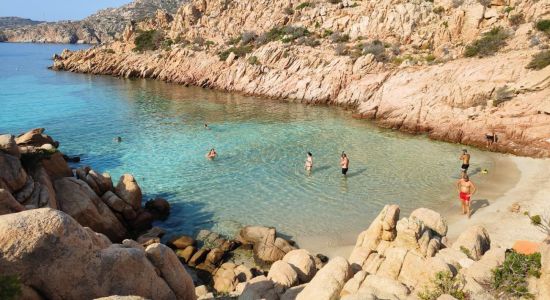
(511,175)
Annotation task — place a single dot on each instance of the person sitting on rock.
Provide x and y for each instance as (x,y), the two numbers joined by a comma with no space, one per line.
(212,154)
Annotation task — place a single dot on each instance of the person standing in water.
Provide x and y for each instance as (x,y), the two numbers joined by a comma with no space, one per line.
(206,126)
(465,158)
(309,162)
(344,163)
(466,189)
(212,154)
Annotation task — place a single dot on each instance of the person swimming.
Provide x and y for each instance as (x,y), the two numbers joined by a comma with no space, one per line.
(212,154)
(206,126)
(118,139)
(344,163)
(309,162)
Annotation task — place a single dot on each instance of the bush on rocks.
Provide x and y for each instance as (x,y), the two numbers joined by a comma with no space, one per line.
(10,287)
(488,44)
(540,60)
(510,279)
(444,284)
(543,25)
(148,40)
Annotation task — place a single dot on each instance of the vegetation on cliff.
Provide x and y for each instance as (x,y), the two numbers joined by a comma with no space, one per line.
(540,60)
(510,279)
(488,44)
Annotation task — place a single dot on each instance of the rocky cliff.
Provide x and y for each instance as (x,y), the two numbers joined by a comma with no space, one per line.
(103,26)
(455,70)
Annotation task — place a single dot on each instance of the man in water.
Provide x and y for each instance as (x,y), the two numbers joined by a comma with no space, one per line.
(212,154)
(344,163)
(309,162)
(465,158)
(206,126)
(466,189)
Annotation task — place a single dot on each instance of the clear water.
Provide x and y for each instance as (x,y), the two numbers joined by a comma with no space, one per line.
(259,177)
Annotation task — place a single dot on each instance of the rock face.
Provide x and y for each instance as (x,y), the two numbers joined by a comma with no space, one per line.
(267,246)
(103,26)
(456,99)
(129,191)
(474,241)
(79,201)
(302,262)
(328,282)
(12,175)
(78,255)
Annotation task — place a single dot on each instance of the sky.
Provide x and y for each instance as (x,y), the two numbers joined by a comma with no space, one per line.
(55,10)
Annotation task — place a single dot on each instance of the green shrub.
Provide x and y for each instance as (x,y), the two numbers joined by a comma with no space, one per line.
(304,5)
(438,10)
(430,58)
(489,44)
(337,37)
(540,60)
(508,9)
(536,220)
(238,51)
(288,10)
(326,33)
(110,51)
(148,40)
(516,19)
(341,49)
(503,94)
(10,287)
(375,48)
(466,251)
(253,60)
(510,279)
(234,41)
(543,25)
(334,1)
(444,283)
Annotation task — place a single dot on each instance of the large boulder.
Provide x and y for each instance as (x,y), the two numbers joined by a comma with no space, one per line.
(302,262)
(40,176)
(431,219)
(267,246)
(78,200)
(328,282)
(283,275)
(49,251)
(12,175)
(159,207)
(56,166)
(166,261)
(391,266)
(8,204)
(8,145)
(259,288)
(36,138)
(129,191)
(417,271)
(474,242)
(385,288)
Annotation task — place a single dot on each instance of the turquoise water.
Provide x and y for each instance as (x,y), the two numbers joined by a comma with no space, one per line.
(258,177)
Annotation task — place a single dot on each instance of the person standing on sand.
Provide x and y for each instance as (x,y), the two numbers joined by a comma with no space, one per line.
(465,158)
(466,189)
(212,154)
(344,163)
(309,162)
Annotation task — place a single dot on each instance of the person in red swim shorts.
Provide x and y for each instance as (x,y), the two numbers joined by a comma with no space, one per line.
(466,189)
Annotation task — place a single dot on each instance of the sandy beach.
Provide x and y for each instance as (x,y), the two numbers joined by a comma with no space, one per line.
(498,190)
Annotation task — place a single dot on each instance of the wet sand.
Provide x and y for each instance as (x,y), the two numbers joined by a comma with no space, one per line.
(512,179)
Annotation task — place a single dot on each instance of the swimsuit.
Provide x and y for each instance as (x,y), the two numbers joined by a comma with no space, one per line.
(344,171)
(465,197)
(465,167)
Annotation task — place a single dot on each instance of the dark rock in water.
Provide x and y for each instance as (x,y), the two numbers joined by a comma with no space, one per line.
(143,221)
(198,257)
(159,208)
(72,159)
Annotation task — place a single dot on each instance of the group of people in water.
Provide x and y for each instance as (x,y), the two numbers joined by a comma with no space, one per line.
(465,187)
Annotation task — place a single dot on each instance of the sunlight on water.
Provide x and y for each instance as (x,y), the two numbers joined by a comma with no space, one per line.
(259,177)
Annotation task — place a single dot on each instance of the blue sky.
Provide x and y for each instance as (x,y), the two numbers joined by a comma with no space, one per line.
(55,10)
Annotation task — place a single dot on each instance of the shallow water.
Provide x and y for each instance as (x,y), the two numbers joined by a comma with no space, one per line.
(259,177)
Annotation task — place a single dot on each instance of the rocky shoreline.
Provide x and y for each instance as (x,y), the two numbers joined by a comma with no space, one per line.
(450,98)
(63,231)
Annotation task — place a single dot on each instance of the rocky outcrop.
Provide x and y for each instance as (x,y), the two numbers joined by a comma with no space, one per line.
(457,99)
(82,264)
(267,246)
(328,282)
(103,26)
(474,242)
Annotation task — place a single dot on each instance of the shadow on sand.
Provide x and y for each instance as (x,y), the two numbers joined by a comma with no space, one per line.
(477,205)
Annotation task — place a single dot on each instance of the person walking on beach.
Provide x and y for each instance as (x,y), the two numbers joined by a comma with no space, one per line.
(309,162)
(465,158)
(344,163)
(466,189)
(212,154)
